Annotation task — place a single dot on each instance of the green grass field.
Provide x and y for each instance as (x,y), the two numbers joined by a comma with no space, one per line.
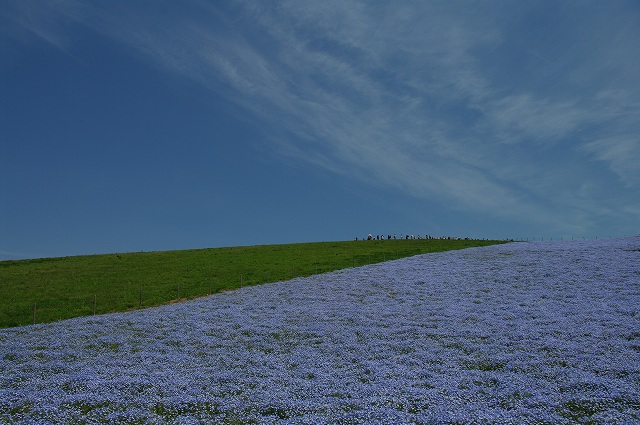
(50,289)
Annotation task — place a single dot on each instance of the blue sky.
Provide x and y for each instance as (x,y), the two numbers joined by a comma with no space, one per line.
(154,125)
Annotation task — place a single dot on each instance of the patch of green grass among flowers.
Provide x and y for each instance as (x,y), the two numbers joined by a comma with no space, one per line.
(50,289)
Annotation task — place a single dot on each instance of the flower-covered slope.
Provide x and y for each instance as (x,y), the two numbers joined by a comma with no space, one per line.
(542,332)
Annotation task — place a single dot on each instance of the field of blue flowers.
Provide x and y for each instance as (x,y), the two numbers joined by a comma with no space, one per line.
(528,332)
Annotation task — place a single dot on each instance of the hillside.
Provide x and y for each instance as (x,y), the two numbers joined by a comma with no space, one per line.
(49,289)
(543,332)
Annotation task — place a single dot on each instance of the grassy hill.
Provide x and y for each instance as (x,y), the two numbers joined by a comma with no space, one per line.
(50,289)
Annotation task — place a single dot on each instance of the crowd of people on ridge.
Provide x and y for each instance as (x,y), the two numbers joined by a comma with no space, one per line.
(370,237)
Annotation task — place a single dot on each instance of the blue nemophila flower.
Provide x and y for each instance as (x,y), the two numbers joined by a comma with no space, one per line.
(543,332)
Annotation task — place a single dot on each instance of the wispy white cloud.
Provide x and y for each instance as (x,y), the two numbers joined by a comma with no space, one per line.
(525,117)
(47,22)
(622,154)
